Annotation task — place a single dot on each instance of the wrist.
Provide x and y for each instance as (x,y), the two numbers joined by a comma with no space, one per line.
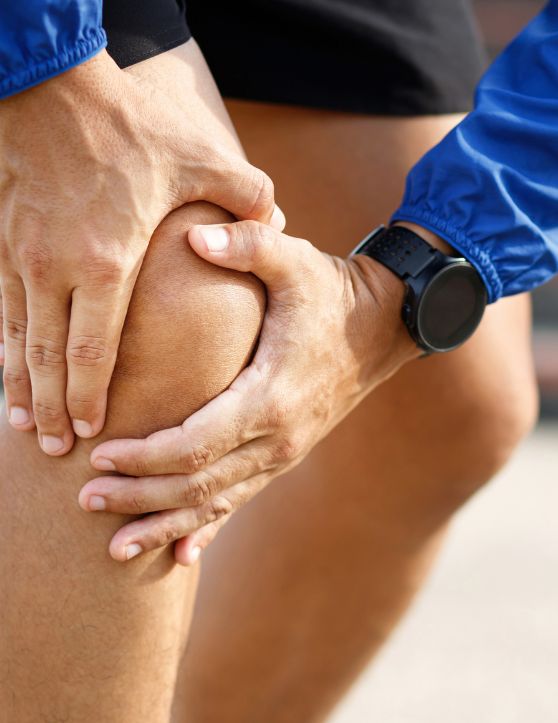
(86,78)
(445,297)
(429,236)
(380,333)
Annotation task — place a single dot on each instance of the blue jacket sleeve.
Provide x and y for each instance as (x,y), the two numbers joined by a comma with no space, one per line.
(42,38)
(490,188)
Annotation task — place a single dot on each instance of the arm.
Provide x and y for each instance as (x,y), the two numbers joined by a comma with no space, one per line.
(331,333)
(327,341)
(92,160)
(94,642)
(490,188)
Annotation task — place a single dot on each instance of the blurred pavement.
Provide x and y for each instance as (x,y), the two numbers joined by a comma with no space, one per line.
(480,644)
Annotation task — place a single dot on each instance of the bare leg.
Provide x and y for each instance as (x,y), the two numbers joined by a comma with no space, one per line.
(83,638)
(302,587)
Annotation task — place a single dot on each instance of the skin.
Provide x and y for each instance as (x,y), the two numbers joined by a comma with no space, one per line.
(332,333)
(388,531)
(99,150)
(81,637)
(322,325)
(303,585)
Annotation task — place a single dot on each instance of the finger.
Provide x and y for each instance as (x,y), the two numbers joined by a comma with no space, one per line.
(17,384)
(234,184)
(217,428)
(278,220)
(161,528)
(188,549)
(277,259)
(96,323)
(47,332)
(137,496)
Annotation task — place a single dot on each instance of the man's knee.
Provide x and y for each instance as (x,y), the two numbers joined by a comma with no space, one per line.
(190,329)
(492,430)
(494,405)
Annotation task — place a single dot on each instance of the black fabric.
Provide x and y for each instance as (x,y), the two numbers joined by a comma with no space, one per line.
(140,29)
(388,57)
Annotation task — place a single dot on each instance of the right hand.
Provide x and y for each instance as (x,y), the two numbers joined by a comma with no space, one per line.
(90,163)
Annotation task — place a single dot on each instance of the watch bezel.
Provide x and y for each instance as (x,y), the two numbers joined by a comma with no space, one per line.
(419,299)
(419,265)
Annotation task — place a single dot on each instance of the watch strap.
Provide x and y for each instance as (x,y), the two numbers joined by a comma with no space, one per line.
(400,249)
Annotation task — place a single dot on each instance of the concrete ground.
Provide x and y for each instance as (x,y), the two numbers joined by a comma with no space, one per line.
(480,644)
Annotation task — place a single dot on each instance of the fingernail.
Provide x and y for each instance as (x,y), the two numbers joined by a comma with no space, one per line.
(1,352)
(194,555)
(97,503)
(104,464)
(216,237)
(51,444)
(19,416)
(278,219)
(82,428)
(133,550)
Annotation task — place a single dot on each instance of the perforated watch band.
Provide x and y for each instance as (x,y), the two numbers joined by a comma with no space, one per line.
(398,248)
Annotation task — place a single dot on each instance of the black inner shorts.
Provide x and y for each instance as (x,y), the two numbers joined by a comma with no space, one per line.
(386,57)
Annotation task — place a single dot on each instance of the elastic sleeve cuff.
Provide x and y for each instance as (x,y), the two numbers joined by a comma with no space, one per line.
(37,73)
(478,258)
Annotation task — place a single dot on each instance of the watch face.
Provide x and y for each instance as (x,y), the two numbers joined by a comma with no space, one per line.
(451,307)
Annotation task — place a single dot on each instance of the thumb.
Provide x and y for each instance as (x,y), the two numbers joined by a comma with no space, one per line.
(273,257)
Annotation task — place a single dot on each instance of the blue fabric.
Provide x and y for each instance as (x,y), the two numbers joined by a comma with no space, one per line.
(42,38)
(490,188)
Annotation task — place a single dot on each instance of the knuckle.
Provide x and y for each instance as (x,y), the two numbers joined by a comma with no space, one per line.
(137,503)
(167,533)
(44,355)
(103,269)
(36,260)
(47,412)
(263,236)
(15,379)
(200,490)
(217,508)
(77,401)
(256,237)
(16,330)
(197,458)
(287,449)
(264,194)
(87,350)
(141,467)
(278,412)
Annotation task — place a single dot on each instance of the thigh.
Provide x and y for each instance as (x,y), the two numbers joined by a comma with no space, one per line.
(82,637)
(331,553)
(338,175)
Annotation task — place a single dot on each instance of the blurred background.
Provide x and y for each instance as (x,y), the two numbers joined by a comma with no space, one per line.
(480,644)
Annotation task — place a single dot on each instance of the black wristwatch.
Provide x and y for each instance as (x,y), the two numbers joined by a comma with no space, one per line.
(445,297)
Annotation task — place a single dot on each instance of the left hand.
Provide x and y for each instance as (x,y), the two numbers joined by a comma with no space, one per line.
(331,333)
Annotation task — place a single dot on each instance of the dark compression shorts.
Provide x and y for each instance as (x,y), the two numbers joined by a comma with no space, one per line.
(388,57)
